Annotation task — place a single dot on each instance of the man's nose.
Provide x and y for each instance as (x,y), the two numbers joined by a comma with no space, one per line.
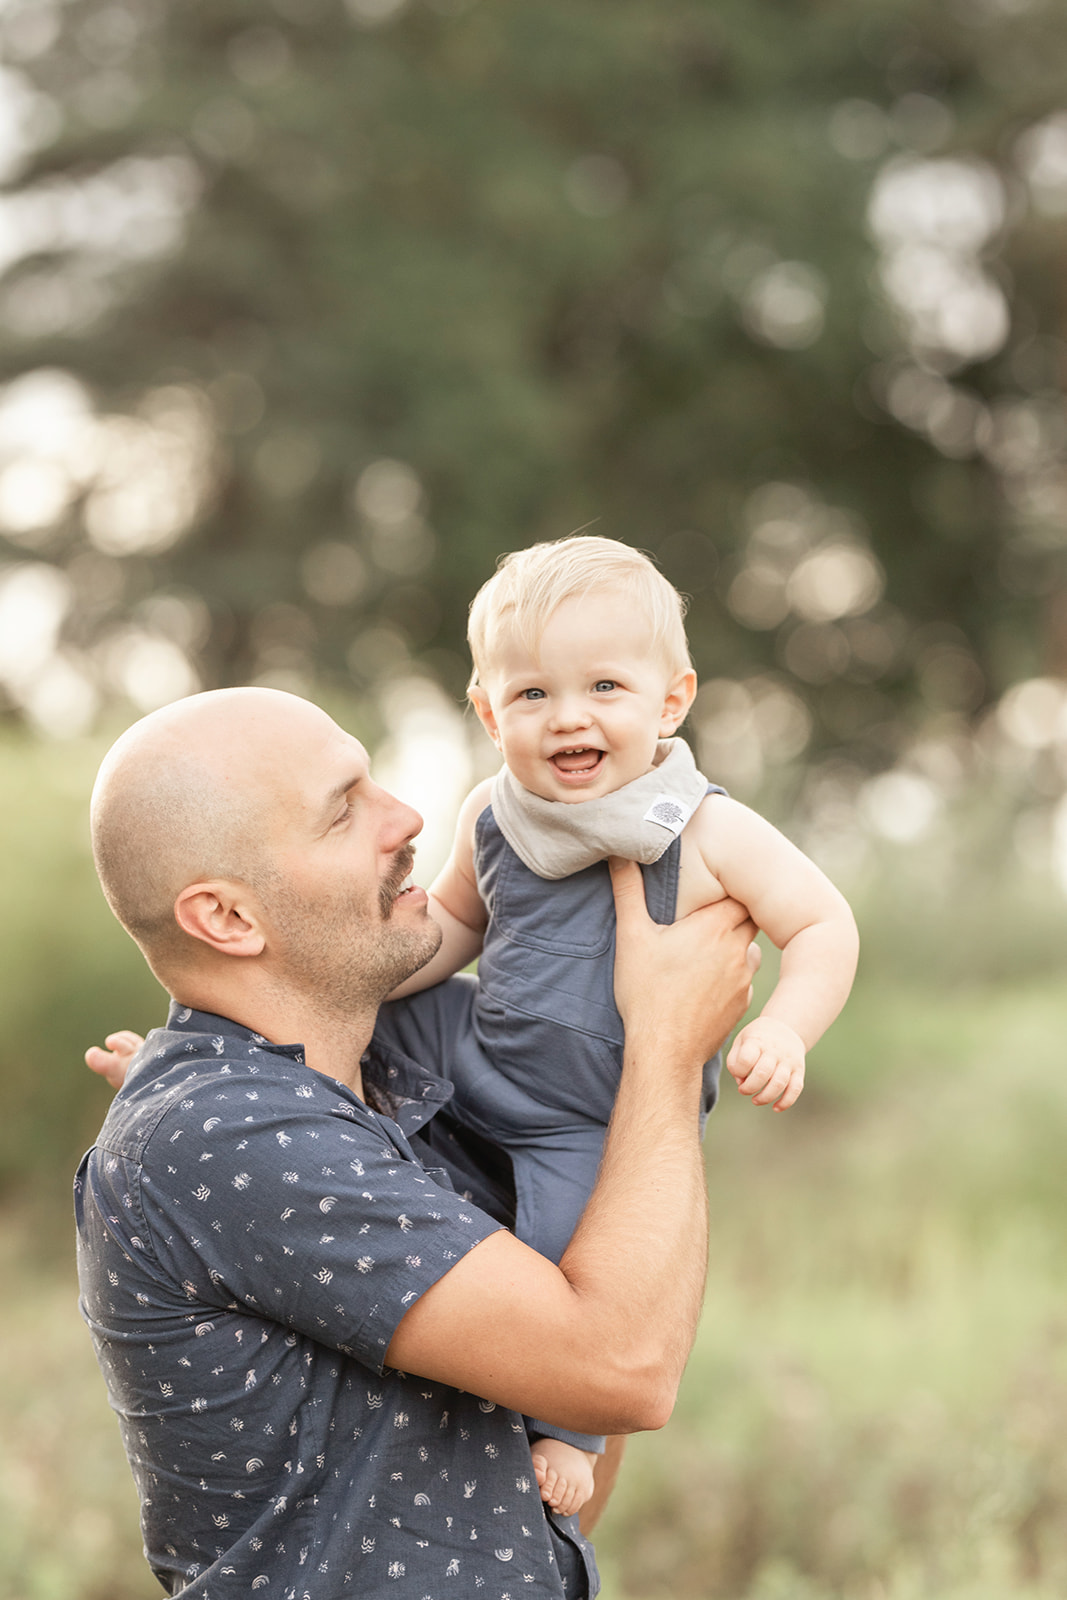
(402,822)
(410,820)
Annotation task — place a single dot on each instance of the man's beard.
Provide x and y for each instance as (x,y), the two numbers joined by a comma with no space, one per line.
(346,958)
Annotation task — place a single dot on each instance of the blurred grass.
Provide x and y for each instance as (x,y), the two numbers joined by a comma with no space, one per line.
(68,1509)
(877,1401)
(876,1405)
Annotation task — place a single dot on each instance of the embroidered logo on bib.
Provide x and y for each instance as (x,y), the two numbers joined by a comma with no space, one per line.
(668,813)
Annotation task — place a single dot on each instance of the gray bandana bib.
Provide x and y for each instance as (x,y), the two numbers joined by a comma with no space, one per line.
(638,821)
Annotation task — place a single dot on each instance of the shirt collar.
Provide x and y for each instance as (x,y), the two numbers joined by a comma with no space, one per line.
(398,1086)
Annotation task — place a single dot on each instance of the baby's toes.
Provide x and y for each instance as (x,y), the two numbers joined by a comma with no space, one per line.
(566,1499)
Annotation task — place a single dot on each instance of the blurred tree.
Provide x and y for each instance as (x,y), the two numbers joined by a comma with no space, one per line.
(358,295)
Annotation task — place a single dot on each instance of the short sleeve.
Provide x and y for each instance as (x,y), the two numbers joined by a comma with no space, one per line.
(279,1200)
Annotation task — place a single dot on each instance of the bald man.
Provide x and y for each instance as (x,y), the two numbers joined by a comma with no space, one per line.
(319,1351)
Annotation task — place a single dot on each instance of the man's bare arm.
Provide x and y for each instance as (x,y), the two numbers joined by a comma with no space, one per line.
(599,1343)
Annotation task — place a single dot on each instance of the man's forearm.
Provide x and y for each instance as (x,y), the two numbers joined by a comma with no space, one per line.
(639,1255)
(599,1343)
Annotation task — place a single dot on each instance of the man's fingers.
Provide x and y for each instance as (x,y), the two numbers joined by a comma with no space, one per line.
(730,915)
(689,978)
(627,887)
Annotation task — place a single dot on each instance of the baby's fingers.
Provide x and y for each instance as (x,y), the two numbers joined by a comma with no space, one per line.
(776,1075)
(111,1068)
(794,1089)
(125,1042)
(770,1079)
(111,1064)
(743,1057)
(759,1075)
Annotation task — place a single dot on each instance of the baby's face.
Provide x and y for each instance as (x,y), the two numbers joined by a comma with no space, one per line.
(580,717)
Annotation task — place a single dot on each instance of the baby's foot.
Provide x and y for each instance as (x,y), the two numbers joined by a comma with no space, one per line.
(564,1475)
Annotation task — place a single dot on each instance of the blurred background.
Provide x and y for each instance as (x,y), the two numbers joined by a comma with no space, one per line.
(309,310)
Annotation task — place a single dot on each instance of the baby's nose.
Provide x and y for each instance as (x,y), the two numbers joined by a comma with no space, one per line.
(570,712)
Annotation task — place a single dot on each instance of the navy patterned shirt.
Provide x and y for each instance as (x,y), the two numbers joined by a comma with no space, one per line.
(250,1234)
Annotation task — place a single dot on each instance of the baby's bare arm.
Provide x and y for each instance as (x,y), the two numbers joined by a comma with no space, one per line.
(809,920)
(455,904)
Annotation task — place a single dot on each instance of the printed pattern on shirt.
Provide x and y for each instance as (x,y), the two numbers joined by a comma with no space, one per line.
(250,1236)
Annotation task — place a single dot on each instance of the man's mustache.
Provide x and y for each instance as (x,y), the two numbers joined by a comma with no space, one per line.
(392,884)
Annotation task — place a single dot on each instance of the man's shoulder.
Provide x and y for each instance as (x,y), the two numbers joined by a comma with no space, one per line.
(188,1079)
(199,1062)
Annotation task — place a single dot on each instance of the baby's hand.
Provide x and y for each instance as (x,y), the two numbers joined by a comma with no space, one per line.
(113,1062)
(564,1474)
(767,1059)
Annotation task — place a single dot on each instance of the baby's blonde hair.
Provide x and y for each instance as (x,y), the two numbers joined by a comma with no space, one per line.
(528,585)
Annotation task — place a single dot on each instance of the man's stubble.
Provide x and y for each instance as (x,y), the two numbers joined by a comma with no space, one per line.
(348,957)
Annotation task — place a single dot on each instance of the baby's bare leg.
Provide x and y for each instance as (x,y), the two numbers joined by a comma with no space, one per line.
(564,1474)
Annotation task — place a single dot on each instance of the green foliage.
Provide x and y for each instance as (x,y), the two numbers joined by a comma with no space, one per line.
(70,973)
(68,1508)
(512,246)
(876,1401)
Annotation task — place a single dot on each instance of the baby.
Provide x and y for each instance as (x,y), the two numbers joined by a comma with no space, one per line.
(581,677)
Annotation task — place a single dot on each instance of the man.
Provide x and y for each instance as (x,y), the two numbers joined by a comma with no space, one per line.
(318,1351)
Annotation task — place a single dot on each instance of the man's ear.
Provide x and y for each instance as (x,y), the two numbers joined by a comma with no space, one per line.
(221,915)
(480,701)
(676,702)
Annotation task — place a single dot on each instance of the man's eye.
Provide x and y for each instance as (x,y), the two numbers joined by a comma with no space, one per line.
(342,816)
(605,686)
(533,694)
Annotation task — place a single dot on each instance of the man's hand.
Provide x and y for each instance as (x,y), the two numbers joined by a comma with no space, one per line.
(687,983)
(113,1063)
(767,1061)
(600,1342)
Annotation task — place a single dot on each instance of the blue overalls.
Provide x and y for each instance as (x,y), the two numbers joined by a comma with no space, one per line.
(534,1047)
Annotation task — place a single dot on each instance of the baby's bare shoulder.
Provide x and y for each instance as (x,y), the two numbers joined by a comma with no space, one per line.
(698,882)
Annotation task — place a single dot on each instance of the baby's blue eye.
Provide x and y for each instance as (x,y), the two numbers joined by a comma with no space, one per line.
(605,686)
(533,694)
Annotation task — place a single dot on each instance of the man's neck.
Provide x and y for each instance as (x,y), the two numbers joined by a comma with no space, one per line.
(333,1045)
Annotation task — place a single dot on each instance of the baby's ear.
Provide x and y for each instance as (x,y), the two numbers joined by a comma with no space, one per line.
(480,701)
(676,702)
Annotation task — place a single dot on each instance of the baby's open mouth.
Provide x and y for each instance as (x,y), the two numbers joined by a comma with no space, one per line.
(582,759)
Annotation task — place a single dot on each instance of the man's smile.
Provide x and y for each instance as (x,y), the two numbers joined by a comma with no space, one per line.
(398,883)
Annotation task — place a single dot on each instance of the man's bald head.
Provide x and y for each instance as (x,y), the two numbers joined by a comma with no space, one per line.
(185,796)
